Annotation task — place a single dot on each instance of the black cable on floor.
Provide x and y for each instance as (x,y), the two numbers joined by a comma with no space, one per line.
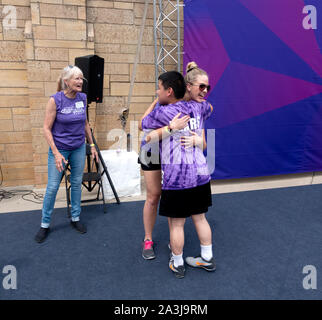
(8,194)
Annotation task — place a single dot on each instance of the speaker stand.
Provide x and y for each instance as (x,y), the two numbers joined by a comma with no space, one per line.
(105,171)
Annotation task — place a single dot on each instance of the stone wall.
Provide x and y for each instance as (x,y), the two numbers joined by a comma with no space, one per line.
(116,26)
(48,36)
(16,149)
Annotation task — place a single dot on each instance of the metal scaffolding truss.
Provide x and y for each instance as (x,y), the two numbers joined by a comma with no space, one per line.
(167,35)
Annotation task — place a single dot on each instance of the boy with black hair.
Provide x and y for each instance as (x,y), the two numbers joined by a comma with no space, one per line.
(174,85)
(185,177)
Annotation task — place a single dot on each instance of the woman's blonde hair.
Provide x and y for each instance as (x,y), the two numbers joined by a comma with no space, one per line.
(193,71)
(66,74)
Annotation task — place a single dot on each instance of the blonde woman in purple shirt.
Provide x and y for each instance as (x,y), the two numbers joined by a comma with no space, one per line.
(186,188)
(65,128)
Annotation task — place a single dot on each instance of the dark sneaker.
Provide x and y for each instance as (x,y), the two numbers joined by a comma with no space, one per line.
(41,235)
(178,271)
(198,262)
(170,251)
(147,250)
(78,226)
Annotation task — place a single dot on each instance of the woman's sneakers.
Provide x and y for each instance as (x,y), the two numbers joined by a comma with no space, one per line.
(147,250)
(78,226)
(199,262)
(43,232)
(42,235)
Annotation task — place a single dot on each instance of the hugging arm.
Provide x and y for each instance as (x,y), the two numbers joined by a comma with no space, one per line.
(148,111)
(175,124)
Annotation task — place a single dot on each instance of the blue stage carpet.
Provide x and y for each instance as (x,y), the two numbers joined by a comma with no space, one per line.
(262,241)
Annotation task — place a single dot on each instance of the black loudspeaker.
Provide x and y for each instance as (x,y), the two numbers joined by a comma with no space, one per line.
(93,71)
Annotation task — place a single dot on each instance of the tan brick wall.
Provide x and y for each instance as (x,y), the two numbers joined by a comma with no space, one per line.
(49,35)
(16,154)
(116,41)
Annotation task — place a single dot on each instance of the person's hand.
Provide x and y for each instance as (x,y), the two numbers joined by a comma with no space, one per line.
(179,123)
(59,160)
(191,141)
(94,153)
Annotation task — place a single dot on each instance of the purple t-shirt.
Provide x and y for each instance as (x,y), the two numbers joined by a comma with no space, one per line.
(68,129)
(151,148)
(181,168)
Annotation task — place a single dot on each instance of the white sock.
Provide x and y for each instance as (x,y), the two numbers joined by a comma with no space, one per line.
(177,260)
(206,252)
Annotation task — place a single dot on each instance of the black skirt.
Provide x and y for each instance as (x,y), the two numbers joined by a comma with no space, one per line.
(185,202)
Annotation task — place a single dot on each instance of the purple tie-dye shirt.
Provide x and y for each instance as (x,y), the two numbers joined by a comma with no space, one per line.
(181,168)
(69,126)
(151,147)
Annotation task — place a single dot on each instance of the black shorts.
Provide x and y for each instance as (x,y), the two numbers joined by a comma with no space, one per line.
(150,166)
(185,202)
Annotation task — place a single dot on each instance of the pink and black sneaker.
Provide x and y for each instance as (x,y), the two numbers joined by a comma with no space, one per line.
(147,251)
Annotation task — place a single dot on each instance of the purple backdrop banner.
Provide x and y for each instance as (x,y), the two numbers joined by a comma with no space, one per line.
(265,66)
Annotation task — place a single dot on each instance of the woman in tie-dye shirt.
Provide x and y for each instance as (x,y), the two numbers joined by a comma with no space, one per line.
(185,177)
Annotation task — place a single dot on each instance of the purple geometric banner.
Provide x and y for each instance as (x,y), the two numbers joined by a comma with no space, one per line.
(264,60)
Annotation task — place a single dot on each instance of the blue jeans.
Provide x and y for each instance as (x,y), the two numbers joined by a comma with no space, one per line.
(76,160)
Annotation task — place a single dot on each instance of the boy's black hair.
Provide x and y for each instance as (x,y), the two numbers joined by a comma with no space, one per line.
(174,80)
